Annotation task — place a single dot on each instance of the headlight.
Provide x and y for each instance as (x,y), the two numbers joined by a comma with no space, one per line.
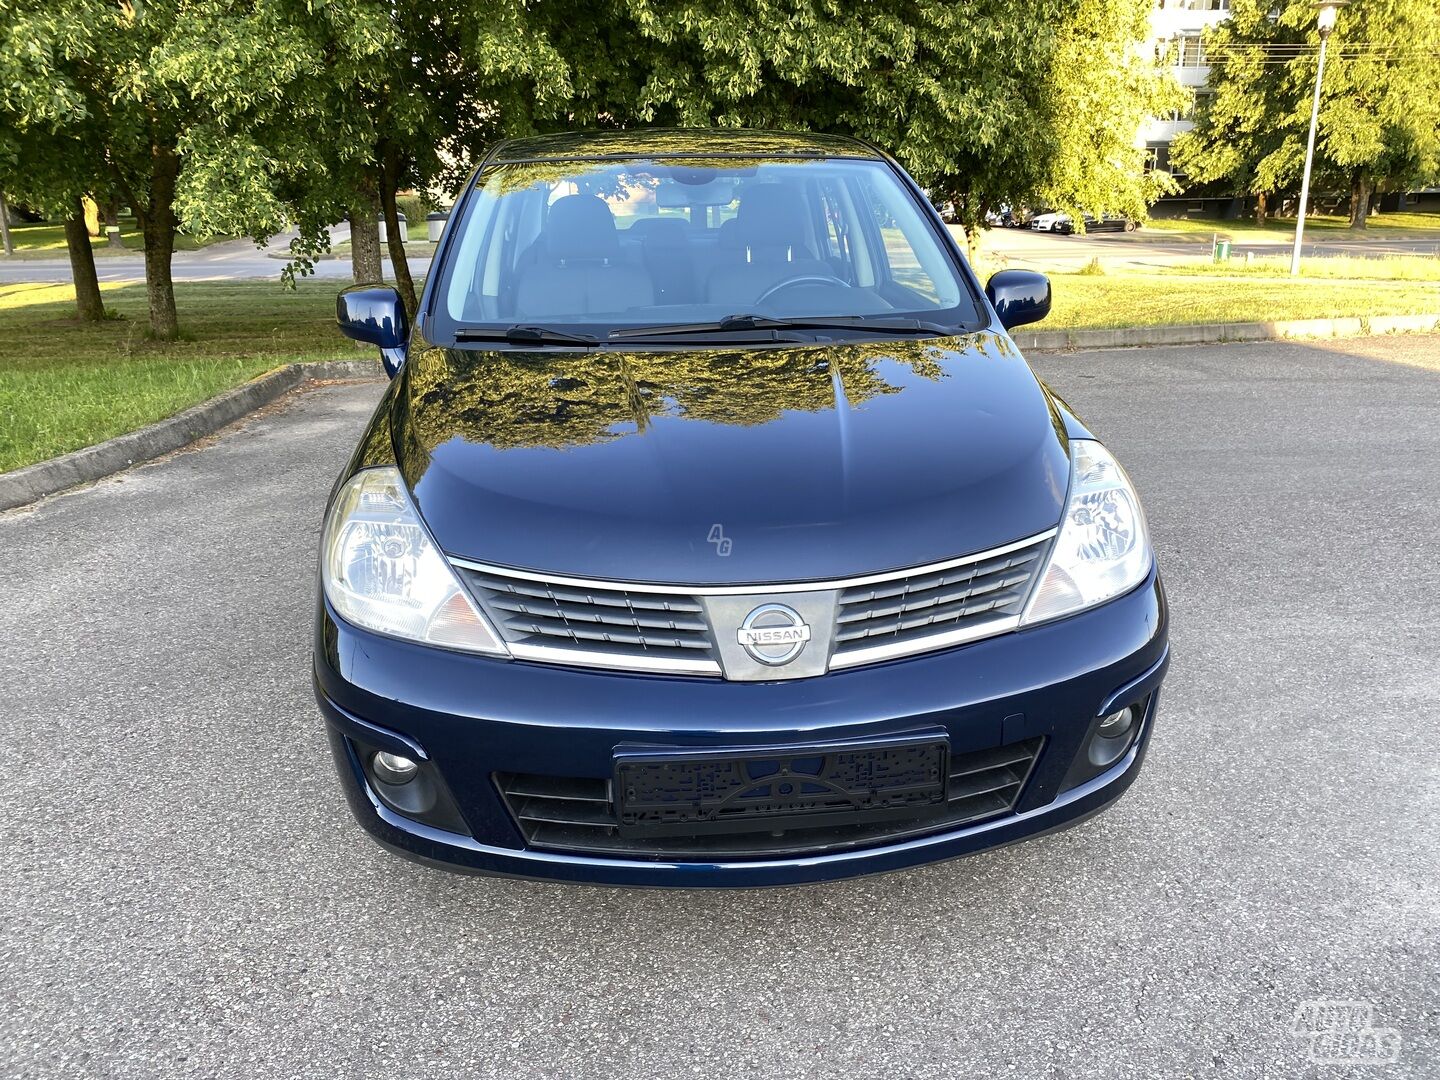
(1103,547)
(381,570)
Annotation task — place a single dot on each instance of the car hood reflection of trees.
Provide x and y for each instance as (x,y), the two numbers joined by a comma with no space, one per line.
(816,461)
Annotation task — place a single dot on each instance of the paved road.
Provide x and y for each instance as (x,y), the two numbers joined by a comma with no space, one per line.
(185,894)
(230,260)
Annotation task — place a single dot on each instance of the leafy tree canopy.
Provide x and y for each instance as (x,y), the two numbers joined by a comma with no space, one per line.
(241,118)
(1379,126)
(990,102)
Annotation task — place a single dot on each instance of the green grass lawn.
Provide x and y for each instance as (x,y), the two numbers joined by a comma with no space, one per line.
(65,385)
(1346,267)
(46,240)
(1083,301)
(1333,226)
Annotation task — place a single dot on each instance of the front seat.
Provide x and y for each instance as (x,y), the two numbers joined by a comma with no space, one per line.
(766,244)
(576,268)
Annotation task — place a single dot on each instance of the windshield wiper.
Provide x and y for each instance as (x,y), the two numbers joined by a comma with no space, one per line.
(764,322)
(524,335)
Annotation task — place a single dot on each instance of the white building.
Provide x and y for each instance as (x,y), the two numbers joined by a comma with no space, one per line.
(1176,27)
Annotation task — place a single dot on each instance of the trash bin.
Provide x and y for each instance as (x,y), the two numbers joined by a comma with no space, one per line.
(404,230)
(434,226)
(1222,251)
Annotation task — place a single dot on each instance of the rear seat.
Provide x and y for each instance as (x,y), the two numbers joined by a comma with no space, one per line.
(669,257)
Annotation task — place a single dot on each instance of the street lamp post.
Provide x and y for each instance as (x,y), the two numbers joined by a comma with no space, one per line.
(1325,20)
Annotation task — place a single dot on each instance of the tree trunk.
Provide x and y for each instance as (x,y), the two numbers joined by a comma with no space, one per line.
(1262,207)
(8,243)
(365,262)
(1360,187)
(110,221)
(88,304)
(389,181)
(158,224)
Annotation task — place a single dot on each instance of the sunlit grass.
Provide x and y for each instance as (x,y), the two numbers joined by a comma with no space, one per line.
(1349,267)
(1085,301)
(65,385)
(46,240)
(1329,224)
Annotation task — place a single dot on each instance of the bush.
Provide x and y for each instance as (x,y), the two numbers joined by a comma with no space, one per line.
(414,207)
(1093,268)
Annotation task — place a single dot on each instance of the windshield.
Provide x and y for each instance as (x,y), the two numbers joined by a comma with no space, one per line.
(590,247)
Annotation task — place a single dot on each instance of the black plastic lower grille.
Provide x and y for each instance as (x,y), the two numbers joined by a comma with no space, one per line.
(578,814)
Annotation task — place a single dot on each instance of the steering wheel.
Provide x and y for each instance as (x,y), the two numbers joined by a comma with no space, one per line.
(808,281)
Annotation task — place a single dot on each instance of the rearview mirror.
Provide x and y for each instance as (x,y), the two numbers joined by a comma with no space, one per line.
(375,315)
(1019,296)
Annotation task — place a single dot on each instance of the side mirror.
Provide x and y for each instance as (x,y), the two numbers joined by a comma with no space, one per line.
(375,315)
(1019,296)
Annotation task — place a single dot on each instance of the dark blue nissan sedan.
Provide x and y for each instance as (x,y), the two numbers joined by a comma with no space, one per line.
(713,532)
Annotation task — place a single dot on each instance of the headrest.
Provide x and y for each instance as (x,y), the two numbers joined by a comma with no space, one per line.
(771,215)
(662,232)
(581,227)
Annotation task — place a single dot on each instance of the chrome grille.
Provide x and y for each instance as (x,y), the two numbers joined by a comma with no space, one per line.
(641,627)
(953,603)
(592,624)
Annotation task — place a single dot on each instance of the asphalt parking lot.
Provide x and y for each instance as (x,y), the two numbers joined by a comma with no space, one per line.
(185,893)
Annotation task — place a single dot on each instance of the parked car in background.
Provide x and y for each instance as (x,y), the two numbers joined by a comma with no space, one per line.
(945,208)
(1005,218)
(1051,221)
(1109,223)
(714,532)
(1064,224)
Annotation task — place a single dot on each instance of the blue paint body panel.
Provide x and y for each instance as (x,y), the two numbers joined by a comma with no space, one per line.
(475,716)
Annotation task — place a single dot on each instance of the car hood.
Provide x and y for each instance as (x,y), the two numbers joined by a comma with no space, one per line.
(730,465)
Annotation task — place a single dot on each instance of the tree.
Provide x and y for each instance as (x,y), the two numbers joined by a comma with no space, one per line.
(1379,125)
(52,173)
(247,117)
(83,73)
(997,101)
(165,95)
(47,159)
(372,97)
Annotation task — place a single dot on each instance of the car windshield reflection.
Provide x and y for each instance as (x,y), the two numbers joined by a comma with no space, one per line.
(593,247)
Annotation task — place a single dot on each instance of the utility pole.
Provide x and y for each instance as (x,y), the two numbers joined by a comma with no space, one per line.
(1325,20)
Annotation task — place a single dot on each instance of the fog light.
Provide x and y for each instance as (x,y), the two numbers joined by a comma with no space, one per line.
(1117,724)
(1112,737)
(393,768)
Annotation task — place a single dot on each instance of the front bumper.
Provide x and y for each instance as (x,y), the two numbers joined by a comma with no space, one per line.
(471,718)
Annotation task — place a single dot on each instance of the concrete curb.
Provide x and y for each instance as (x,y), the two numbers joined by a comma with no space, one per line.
(85,466)
(1132,336)
(332,256)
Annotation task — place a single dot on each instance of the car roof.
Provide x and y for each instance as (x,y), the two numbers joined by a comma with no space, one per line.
(680,142)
